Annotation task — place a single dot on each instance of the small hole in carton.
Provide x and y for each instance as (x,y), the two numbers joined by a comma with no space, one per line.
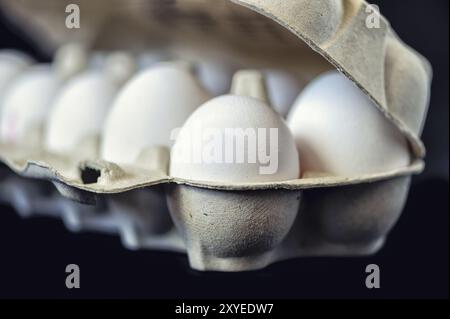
(90,175)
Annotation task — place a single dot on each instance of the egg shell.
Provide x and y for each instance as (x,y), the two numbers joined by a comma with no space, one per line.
(12,63)
(340,132)
(145,113)
(27,103)
(79,111)
(74,126)
(73,129)
(235,113)
(231,231)
(147,110)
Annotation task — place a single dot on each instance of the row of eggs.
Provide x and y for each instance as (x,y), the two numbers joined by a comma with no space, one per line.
(331,128)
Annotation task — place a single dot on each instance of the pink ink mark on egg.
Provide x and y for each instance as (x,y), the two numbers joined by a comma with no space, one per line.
(11,128)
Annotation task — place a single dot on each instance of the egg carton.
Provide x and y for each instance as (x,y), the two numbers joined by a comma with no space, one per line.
(237,226)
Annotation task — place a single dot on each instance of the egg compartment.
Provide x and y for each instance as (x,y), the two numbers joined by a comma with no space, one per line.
(394,76)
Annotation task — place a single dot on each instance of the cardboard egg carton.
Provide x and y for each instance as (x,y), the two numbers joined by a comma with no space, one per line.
(316,215)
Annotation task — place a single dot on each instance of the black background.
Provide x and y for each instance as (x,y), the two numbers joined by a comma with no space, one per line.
(414,262)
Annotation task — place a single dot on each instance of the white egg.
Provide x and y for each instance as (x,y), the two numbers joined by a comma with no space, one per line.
(282,88)
(27,102)
(12,63)
(144,115)
(148,109)
(231,139)
(209,146)
(339,131)
(79,111)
